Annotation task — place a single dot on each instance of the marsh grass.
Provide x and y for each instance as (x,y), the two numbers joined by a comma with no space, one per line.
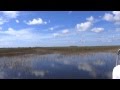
(54,50)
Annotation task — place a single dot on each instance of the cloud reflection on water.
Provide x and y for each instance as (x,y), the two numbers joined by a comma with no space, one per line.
(97,65)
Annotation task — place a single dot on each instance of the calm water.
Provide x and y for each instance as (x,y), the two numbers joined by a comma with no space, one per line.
(57,66)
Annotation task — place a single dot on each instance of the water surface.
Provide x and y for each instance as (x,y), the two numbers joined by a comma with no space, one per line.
(56,66)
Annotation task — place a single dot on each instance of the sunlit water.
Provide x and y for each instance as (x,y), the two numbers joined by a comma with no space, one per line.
(57,66)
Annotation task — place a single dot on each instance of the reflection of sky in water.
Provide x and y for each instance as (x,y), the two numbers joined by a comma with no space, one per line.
(87,66)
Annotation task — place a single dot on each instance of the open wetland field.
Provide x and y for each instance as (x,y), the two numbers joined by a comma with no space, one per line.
(58,62)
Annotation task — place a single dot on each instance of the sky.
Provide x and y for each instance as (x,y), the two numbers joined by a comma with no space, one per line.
(59,28)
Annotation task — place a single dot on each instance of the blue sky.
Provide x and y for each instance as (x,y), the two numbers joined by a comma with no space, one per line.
(59,28)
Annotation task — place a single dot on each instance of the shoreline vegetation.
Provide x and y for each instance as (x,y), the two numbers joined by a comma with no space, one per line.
(61,50)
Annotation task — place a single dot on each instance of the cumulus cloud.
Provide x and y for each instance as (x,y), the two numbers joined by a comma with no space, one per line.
(97,30)
(116,15)
(17,21)
(91,19)
(11,14)
(116,12)
(108,17)
(36,21)
(8,15)
(112,17)
(85,25)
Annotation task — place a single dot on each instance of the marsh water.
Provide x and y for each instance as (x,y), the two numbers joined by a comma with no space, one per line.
(58,66)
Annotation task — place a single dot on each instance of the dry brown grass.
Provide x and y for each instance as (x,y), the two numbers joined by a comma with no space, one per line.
(62,50)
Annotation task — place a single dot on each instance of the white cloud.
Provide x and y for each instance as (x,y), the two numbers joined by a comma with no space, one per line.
(97,30)
(116,16)
(62,33)
(11,14)
(22,38)
(17,21)
(91,19)
(7,15)
(65,31)
(83,26)
(36,22)
(108,17)
(113,17)
(116,12)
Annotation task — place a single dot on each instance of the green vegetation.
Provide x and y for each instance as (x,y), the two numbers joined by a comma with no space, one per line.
(62,50)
